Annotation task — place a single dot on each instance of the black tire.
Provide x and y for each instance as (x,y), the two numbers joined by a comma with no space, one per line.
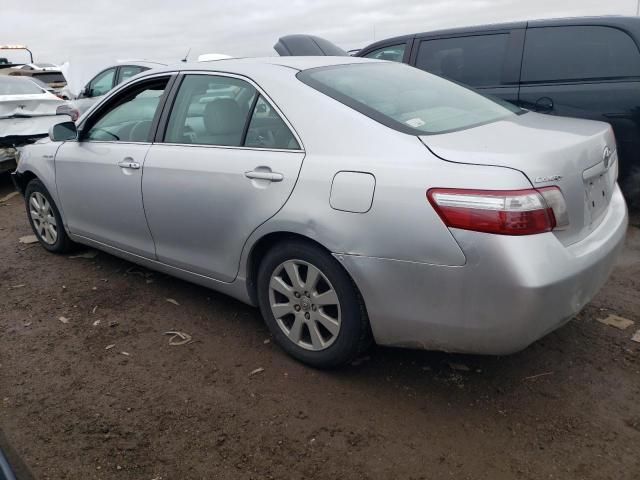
(354,335)
(63,243)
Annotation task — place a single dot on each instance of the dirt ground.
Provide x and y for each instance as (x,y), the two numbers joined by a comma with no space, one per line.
(568,407)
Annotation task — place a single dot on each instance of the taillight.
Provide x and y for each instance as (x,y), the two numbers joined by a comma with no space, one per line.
(504,212)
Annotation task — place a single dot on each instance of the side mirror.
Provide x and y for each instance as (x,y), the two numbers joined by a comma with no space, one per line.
(85,92)
(61,132)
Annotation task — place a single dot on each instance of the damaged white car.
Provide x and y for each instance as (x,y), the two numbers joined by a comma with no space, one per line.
(27,111)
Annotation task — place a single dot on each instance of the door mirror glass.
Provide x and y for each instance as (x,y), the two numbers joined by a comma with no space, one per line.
(62,132)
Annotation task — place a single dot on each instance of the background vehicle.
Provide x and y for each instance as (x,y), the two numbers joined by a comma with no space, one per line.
(108,78)
(579,67)
(42,67)
(221,174)
(26,113)
(53,78)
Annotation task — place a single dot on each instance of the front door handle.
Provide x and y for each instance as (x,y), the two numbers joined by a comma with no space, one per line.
(264,175)
(129,163)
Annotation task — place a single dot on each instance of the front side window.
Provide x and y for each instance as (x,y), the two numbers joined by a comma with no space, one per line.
(394,53)
(405,98)
(225,111)
(102,83)
(130,116)
(578,53)
(477,60)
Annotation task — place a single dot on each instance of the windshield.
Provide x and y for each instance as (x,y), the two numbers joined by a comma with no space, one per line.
(405,98)
(17,86)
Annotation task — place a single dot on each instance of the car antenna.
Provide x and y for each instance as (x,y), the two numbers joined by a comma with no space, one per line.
(184,60)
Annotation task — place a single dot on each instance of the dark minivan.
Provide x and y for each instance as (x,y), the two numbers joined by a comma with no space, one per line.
(579,67)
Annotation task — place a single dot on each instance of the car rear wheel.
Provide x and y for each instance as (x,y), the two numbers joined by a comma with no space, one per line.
(45,219)
(311,305)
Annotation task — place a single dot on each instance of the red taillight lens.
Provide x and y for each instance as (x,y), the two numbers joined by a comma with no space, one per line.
(504,212)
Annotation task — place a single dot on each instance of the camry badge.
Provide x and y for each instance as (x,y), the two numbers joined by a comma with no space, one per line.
(606,156)
(552,178)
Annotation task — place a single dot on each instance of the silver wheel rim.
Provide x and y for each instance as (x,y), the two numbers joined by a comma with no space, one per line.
(44,221)
(305,305)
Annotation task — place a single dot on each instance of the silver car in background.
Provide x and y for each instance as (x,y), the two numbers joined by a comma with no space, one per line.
(349,199)
(105,80)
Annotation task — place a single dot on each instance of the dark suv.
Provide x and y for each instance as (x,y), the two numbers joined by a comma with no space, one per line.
(579,67)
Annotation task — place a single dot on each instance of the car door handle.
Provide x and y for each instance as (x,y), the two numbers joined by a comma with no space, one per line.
(129,163)
(264,175)
(544,104)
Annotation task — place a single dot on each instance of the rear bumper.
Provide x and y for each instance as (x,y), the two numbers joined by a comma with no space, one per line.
(511,292)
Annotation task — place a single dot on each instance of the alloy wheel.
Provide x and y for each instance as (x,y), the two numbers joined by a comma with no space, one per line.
(305,305)
(44,220)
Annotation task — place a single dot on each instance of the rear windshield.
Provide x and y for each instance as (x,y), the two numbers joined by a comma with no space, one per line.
(50,77)
(405,98)
(17,86)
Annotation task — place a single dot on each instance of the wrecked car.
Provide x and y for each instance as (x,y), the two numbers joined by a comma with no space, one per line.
(27,111)
(350,199)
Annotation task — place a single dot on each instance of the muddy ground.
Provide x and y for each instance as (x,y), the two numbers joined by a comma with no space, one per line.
(568,407)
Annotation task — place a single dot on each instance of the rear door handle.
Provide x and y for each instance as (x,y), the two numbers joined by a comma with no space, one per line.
(129,163)
(264,175)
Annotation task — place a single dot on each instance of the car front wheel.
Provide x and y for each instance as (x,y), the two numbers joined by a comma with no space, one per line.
(45,219)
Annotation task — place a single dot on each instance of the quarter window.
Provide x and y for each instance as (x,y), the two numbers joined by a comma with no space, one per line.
(267,130)
(578,53)
(225,111)
(129,119)
(394,53)
(476,60)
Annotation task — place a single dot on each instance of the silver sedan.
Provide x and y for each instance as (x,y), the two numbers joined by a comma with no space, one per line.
(352,200)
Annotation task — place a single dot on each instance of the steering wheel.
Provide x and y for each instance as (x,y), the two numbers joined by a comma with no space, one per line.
(98,129)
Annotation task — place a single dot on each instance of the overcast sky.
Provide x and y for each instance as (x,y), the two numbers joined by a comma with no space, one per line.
(98,32)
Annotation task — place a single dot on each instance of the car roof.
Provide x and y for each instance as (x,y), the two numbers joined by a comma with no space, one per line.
(295,63)
(137,63)
(610,20)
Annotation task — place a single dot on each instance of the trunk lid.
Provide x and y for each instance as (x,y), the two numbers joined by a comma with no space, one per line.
(28,105)
(578,156)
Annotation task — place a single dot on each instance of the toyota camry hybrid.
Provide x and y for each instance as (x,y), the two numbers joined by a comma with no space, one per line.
(352,200)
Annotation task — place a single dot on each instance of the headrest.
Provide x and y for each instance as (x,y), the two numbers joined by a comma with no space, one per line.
(223,116)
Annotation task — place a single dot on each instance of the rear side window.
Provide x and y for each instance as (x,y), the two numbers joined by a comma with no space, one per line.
(476,60)
(393,53)
(128,71)
(225,111)
(578,53)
